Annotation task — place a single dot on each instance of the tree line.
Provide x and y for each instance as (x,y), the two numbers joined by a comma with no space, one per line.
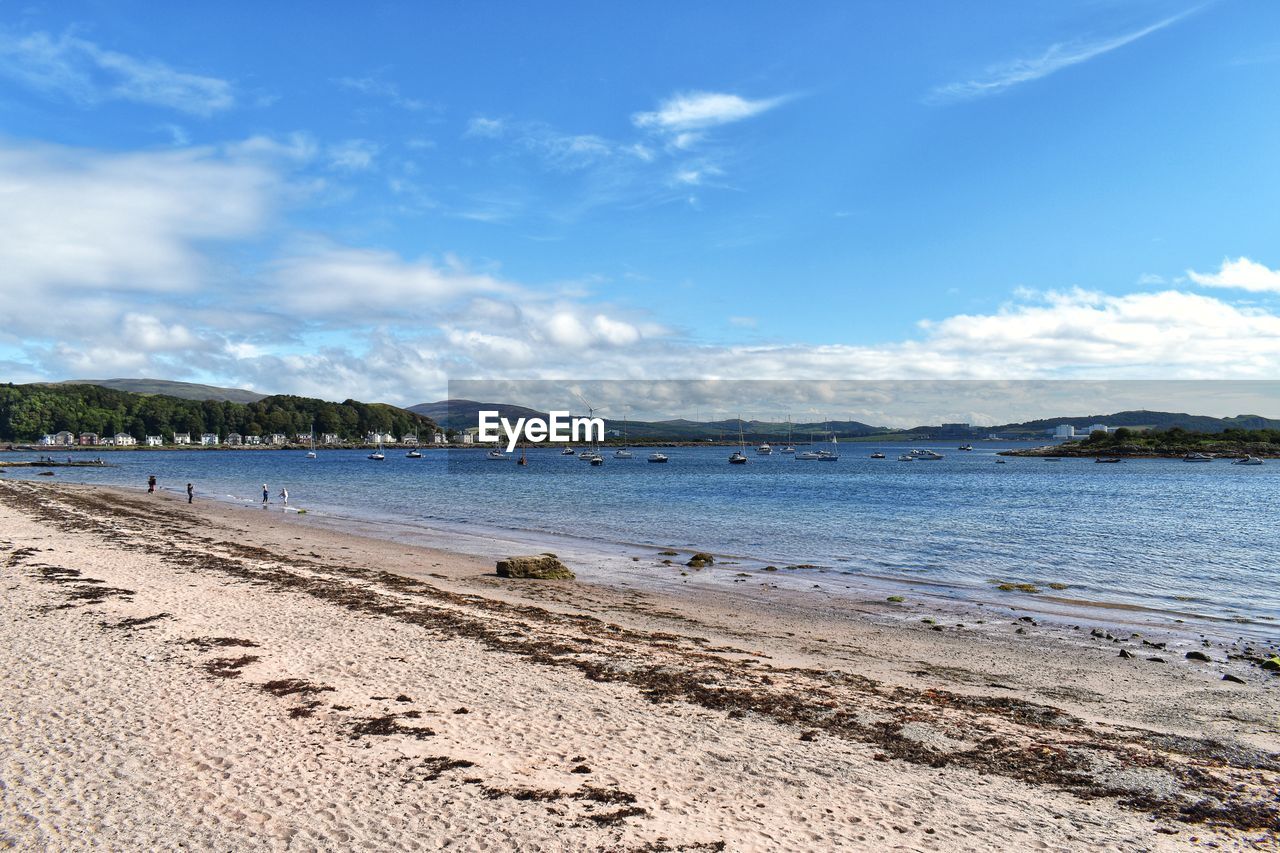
(28,412)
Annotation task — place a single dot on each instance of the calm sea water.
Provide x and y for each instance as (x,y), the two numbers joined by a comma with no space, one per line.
(1172,536)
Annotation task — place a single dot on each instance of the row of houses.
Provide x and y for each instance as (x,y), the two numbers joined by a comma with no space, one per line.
(212,439)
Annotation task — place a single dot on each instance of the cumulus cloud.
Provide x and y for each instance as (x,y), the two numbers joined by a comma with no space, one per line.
(76,219)
(87,74)
(1242,274)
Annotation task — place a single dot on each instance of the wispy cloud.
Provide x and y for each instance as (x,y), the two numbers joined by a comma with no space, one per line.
(485,128)
(82,71)
(1241,274)
(694,111)
(1003,76)
(353,155)
(375,87)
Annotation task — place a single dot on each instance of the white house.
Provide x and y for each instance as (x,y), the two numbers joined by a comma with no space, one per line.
(234,439)
(182,438)
(277,439)
(209,439)
(253,440)
(64,438)
(328,438)
(409,439)
(123,439)
(441,438)
(155,440)
(46,439)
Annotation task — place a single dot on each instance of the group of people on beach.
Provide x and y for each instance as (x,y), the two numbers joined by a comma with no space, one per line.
(191,492)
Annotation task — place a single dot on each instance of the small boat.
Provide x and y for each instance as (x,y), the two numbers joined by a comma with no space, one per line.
(413,454)
(623,454)
(597,459)
(1248,460)
(877,455)
(906,457)
(311,454)
(808,454)
(830,455)
(739,456)
(657,457)
(378,455)
(496,455)
(1109,460)
(764,450)
(1053,459)
(965,447)
(590,456)
(790,448)
(926,455)
(1000,462)
(568,451)
(523,460)
(1197,457)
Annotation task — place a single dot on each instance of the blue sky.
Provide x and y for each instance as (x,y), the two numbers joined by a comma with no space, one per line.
(371,203)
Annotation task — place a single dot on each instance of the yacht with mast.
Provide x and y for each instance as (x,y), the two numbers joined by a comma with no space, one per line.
(739,456)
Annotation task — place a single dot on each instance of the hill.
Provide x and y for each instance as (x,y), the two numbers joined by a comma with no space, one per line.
(1149,420)
(30,411)
(181,390)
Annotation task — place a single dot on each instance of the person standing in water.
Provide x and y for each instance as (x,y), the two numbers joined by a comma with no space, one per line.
(151,484)
(191,493)
(284,496)
(266,494)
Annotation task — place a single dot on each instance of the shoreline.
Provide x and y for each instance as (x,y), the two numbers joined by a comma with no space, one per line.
(709,718)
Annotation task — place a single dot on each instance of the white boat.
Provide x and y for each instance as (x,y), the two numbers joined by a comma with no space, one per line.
(831,455)
(568,451)
(906,457)
(657,457)
(877,455)
(790,448)
(311,454)
(764,450)
(1248,460)
(808,454)
(739,456)
(496,455)
(590,456)
(965,447)
(926,455)
(378,455)
(1197,457)
(597,459)
(623,452)
(413,454)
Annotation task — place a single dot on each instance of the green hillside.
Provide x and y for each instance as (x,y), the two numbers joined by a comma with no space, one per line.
(30,411)
(182,390)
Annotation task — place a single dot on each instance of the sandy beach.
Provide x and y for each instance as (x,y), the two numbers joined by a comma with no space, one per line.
(213,677)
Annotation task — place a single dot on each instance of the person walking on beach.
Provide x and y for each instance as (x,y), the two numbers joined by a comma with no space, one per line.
(191,493)
(266,494)
(284,495)
(151,484)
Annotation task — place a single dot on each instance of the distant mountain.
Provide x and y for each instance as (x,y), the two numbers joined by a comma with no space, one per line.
(460,414)
(1147,419)
(181,390)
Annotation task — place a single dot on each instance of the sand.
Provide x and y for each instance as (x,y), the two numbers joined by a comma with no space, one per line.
(220,678)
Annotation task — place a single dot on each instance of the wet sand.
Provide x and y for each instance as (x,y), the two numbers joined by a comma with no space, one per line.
(229,678)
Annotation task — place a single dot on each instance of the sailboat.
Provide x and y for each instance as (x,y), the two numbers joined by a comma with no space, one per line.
(623,452)
(739,456)
(831,455)
(311,454)
(378,455)
(790,448)
(523,460)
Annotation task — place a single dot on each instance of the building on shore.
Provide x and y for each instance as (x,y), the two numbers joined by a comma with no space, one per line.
(155,441)
(1063,431)
(180,438)
(409,439)
(87,439)
(209,439)
(123,439)
(253,440)
(234,439)
(278,439)
(329,438)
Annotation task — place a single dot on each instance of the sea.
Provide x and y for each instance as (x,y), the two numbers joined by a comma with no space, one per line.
(1189,544)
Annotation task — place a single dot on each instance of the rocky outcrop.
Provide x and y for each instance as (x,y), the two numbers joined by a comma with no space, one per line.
(537,567)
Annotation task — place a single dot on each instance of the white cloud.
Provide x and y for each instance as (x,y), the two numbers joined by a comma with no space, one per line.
(692,111)
(72,219)
(87,74)
(485,128)
(1242,274)
(353,155)
(384,89)
(1001,77)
